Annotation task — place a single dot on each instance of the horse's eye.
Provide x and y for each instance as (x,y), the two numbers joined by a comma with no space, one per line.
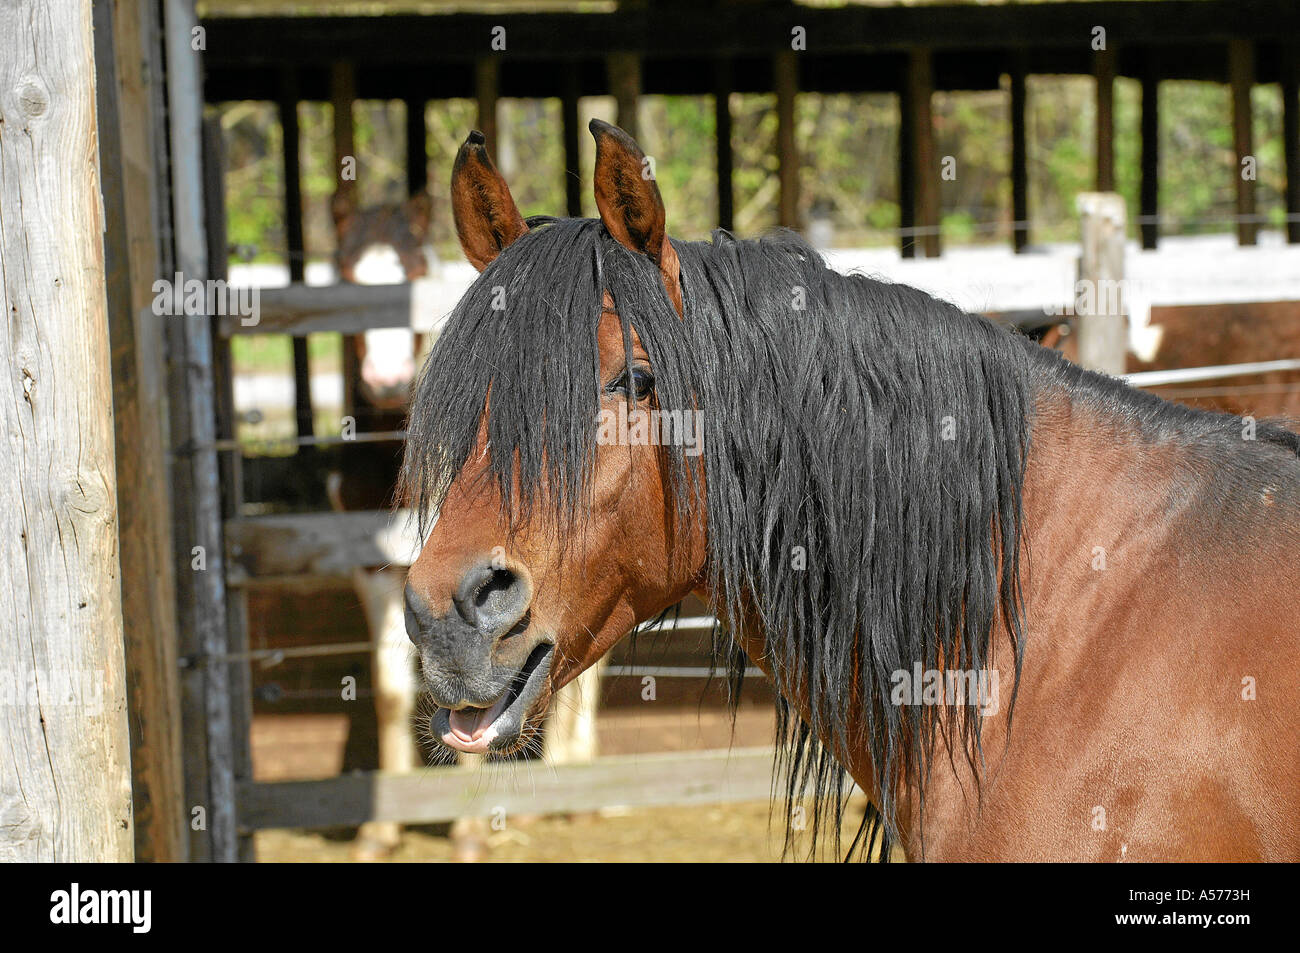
(641,387)
(643,384)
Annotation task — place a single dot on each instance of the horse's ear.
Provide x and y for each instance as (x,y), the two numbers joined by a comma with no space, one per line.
(487,219)
(630,204)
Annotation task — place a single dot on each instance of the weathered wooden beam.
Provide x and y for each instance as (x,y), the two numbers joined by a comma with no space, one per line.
(486,86)
(624,73)
(1102,321)
(65,778)
(351,309)
(444,794)
(710,30)
(131,262)
(417,146)
(343,96)
(1149,199)
(1104,69)
(570,131)
(925,168)
(292,174)
(264,549)
(1019,158)
(722,136)
(196,496)
(1291,137)
(785,80)
(1241,79)
(231,477)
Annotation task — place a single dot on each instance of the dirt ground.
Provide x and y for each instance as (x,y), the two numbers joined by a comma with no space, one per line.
(725,833)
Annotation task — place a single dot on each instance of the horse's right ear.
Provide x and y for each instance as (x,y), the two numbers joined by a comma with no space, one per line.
(487,219)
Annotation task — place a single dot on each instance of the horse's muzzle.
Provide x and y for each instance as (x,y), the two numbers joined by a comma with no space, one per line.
(482,666)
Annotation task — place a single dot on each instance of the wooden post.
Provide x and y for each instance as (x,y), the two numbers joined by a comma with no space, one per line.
(343,93)
(624,71)
(572,154)
(906,173)
(924,173)
(65,778)
(722,137)
(1099,299)
(1149,202)
(785,74)
(231,466)
(486,80)
(1019,156)
(132,263)
(288,107)
(1241,77)
(196,499)
(1291,138)
(417,147)
(1104,71)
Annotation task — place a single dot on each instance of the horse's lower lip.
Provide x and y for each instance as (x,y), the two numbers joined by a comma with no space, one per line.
(498,726)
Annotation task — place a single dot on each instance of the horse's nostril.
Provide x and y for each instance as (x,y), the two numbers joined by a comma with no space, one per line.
(499,583)
(492,599)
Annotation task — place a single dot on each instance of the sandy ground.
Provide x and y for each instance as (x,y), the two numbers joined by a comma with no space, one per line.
(718,833)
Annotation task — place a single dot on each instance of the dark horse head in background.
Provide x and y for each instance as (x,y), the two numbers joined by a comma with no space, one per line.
(881,496)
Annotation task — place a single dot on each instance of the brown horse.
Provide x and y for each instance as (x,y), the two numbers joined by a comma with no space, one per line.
(1033,613)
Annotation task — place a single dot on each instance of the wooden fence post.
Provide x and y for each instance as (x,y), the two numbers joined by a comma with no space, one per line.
(1099,294)
(123,60)
(785,77)
(65,780)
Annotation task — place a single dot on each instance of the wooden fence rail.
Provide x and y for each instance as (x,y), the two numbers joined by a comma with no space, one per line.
(527,787)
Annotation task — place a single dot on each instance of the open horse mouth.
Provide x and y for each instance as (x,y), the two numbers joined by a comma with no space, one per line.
(499,726)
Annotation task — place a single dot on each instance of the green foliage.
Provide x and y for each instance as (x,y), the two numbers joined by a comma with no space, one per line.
(848,161)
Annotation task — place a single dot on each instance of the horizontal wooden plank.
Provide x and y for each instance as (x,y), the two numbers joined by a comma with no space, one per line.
(282,548)
(444,794)
(733,30)
(299,309)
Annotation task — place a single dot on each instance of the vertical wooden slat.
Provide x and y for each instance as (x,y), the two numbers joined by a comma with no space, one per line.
(1291,137)
(65,776)
(1104,71)
(722,135)
(294,239)
(1102,324)
(925,171)
(907,242)
(1241,78)
(139,396)
(785,75)
(231,467)
(343,94)
(1019,156)
(417,147)
(196,498)
(486,82)
(1149,200)
(572,157)
(624,73)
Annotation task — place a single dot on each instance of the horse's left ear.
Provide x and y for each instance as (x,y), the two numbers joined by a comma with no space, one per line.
(487,219)
(630,204)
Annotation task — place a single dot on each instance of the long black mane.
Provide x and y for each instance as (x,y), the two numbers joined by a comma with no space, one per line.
(864,445)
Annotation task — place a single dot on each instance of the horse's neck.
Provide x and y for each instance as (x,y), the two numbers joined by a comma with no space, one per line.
(1088,481)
